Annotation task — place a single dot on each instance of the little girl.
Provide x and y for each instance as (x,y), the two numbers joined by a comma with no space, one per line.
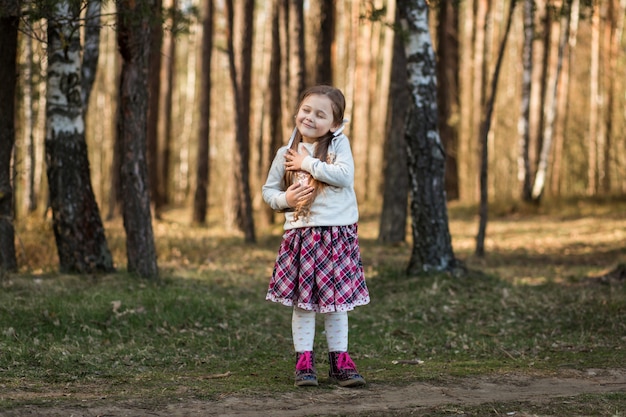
(318,268)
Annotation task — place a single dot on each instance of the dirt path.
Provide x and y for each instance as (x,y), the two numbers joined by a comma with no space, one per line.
(373,398)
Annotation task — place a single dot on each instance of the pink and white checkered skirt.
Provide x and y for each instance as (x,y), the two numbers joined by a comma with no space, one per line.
(319,269)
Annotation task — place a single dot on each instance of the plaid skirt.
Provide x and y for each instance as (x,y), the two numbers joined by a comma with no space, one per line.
(319,269)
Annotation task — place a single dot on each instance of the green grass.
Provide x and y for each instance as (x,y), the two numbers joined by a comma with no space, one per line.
(206,331)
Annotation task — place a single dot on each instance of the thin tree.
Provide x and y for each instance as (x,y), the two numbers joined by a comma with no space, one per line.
(432,244)
(154,100)
(200,201)
(393,217)
(523,124)
(542,167)
(241,77)
(9,23)
(484,134)
(78,229)
(134,22)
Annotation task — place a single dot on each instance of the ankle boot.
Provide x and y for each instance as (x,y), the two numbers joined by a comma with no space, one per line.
(343,370)
(306,375)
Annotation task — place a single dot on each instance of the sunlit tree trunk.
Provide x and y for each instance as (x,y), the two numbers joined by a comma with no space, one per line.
(30,194)
(297,56)
(134,39)
(432,247)
(544,157)
(564,104)
(78,229)
(200,205)
(448,93)
(9,23)
(484,134)
(395,189)
(91,51)
(594,107)
(240,76)
(523,124)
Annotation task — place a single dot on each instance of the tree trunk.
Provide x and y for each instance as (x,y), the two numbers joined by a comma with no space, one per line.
(594,99)
(274,96)
(241,91)
(154,102)
(484,134)
(9,23)
(393,217)
(200,202)
(448,93)
(91,51)
(321,21)
(134,40)
(297,56)
(30,159)
(542,167)
(78,229)
(523,124)
(432,245)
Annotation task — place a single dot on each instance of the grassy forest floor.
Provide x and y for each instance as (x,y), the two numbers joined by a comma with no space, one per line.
(536,328)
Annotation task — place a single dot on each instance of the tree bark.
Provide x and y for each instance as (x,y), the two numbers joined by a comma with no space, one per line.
(322,23)
(393,218)
(241,79)
(134,22)
(542,167)
(91,51)
(78,229)
(523,124)
(448,93)
(484,134)
(154,101)
(200,202)
(432,244)
(9,23)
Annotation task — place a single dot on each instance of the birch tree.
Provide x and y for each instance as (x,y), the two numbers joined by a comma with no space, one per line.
(432,246)
(78,229)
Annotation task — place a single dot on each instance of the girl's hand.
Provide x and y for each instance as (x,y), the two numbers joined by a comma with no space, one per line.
(297,193)
(293,159)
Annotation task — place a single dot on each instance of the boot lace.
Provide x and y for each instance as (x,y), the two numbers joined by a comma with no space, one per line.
(304,362)
(345,362)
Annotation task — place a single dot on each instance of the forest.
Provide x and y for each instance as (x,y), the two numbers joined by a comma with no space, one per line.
(133,108)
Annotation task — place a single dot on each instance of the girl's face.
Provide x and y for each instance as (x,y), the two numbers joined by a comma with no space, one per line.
(315,118)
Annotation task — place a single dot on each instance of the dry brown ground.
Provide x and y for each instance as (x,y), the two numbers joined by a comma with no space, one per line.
(374,399)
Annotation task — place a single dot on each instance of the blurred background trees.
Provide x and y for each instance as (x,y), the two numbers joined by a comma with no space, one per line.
(556,131)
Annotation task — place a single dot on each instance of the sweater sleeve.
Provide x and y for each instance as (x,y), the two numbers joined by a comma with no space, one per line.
(273,193)
(339,173)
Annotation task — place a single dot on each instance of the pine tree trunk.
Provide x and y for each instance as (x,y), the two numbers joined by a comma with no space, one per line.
(200,204)
(9,23)
(134,39)
(449,90)
(78,229)
(393,217)
(432,246)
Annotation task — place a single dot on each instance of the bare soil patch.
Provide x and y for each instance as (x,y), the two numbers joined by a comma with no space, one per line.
(374,399)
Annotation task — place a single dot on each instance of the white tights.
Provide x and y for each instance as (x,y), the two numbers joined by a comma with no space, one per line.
(335,326)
